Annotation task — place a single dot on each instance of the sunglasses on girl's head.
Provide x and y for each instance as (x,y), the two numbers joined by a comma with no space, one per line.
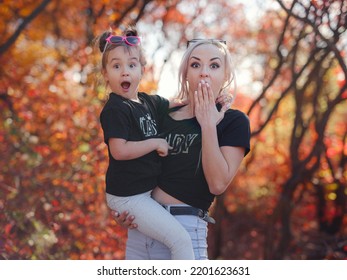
(130,40)
(193,41)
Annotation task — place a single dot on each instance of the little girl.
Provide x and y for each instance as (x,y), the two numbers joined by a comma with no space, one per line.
(129,121)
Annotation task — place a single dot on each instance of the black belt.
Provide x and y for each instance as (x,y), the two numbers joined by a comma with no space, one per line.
(189,210)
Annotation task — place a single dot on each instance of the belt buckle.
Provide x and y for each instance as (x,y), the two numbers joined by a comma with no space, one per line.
(207,218)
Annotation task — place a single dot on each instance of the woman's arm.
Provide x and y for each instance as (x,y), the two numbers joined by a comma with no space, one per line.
(220,164)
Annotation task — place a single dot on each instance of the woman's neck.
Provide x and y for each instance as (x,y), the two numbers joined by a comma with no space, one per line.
(185,112)
(188,110)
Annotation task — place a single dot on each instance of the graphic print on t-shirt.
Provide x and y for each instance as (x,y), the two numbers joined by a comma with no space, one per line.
(180,143)
(148,126)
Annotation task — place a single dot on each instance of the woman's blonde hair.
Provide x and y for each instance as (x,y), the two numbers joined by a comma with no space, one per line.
(183,90)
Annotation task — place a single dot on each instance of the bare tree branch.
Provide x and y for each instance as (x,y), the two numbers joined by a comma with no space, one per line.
(4,47)
(331,45)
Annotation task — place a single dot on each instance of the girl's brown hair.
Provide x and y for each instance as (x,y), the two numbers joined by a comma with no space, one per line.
(106,47)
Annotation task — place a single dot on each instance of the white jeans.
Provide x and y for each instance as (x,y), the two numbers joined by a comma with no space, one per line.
(154,221)
(141,247)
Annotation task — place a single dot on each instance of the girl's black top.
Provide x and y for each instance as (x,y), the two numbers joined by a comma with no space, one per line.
(132,121)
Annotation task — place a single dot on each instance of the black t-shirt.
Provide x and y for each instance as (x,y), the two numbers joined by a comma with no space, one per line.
(132,121)
(182,175)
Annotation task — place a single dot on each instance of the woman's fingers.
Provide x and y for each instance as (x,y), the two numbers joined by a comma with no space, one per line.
(124,220)
(210,94)
(203,97)
(203,92)
(199,96)
(205,105)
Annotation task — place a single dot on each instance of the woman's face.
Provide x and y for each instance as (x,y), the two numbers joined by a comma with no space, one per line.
(207,63)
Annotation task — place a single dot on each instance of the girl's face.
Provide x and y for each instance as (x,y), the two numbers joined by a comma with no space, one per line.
(206,62)
(123,71)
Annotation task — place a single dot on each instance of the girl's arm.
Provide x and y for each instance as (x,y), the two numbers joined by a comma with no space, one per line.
(177,102)
(122,149)
(220,164)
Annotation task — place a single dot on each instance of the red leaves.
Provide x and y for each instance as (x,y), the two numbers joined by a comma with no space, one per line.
(7,229)
(55,203)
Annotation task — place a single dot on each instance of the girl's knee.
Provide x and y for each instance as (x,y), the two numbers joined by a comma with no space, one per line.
(186,239)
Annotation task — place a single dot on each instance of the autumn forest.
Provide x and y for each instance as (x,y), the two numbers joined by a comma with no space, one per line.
(288,200)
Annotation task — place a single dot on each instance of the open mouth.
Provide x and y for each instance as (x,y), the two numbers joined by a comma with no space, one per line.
(125,85)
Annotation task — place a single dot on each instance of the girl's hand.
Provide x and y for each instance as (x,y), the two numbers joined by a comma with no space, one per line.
(205,107)
(226,100)
(124,220)
(162,147)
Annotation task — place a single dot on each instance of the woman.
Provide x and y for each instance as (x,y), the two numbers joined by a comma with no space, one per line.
(208,148)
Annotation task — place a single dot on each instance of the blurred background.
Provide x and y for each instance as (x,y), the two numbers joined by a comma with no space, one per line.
(288,200)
